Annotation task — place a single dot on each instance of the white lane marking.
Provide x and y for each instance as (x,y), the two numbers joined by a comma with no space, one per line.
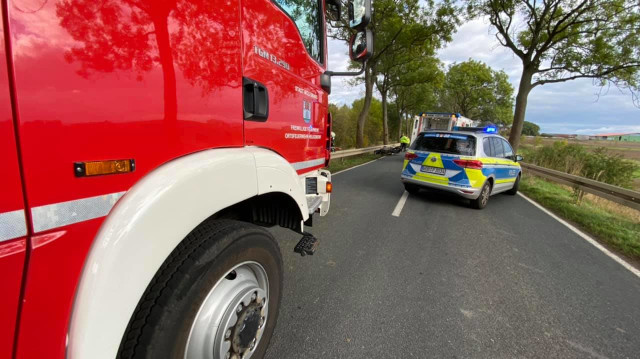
(400,205)
(350,168)
(586,237)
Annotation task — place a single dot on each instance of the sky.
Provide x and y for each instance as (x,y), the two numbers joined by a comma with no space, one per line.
(570,107)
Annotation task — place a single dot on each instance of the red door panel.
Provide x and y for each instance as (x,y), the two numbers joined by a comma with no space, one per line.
(275,55)
(13,226)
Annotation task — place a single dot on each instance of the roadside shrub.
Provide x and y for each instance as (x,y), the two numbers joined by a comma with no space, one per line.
(599,164)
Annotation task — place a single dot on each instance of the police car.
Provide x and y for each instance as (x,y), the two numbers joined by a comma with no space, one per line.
(474,163)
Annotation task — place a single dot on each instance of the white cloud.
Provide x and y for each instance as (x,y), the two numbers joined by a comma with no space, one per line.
(571,107)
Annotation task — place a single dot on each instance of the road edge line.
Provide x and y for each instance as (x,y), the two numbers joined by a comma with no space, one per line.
(585,236)
(350,168)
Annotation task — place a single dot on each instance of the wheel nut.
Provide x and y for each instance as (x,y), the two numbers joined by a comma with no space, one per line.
(261,322)
(253,344)
(227,356)
(239,309)
(227,334)
(253,296)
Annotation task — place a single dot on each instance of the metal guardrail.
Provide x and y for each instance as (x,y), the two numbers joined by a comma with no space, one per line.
(359,151)
(616,194)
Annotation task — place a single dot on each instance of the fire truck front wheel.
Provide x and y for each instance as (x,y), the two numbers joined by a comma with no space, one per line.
(216,296)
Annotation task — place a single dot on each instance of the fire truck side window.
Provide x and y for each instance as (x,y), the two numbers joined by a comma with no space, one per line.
(307,15)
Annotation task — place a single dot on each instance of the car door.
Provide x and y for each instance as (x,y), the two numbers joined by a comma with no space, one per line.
(13,226)
(504,165)
(500,165)
(509,160)
(283,58)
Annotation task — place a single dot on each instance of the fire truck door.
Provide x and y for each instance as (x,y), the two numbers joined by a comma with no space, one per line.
(282,62)
(13,226)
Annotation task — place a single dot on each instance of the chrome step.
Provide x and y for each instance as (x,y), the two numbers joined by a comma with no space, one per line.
(313,202)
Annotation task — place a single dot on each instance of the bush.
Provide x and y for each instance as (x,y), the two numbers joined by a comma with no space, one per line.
(574,159)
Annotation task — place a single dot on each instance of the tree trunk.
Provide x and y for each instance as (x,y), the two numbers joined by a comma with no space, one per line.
(168,71)
(385,119)
(400,121)
(364,113)
(521,107)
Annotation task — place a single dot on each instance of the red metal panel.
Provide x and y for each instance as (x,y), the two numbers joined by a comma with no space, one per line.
(55,264)
(113,79)
(12,251)
(12,255)
(289,89)
(149,80)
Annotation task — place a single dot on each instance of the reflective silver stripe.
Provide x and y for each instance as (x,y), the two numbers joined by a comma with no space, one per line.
(64,213)
(306,164)
(12,225)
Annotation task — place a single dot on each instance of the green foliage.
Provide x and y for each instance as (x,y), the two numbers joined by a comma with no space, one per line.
(345,121)
(530,129)
(574,159)
(406,35)
(538,141)
(478,92)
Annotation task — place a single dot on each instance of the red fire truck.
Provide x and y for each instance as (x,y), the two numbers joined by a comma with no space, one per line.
(145,145)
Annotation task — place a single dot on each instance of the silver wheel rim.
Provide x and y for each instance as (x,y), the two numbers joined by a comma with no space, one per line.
(485,195)
(231,320)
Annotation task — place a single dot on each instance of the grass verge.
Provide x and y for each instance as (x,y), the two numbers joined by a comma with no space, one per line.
(340,164)
(618,230)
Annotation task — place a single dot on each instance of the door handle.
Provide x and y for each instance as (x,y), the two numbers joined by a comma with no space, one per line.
(255,98)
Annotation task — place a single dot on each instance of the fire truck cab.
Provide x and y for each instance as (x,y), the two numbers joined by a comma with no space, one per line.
(145,146)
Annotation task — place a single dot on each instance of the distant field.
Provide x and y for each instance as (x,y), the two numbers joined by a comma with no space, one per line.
(628,150)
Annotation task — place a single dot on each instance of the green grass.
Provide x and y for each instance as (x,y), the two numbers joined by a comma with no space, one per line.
(636,173)
(619,232)
(340,164)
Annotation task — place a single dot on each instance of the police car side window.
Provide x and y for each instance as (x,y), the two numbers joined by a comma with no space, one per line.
(508,152)
(486,146)
(498,151)
(307,15)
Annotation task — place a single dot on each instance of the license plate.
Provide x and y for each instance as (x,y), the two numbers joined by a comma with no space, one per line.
(434,170)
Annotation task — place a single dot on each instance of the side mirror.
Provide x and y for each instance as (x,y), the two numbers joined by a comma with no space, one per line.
(519,158)
(361,46)
(359,14)
(334,9)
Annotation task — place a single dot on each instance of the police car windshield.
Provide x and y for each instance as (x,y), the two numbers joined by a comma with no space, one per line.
(457,144)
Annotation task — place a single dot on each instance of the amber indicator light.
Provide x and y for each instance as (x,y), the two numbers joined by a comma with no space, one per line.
(98,168)
(329,187)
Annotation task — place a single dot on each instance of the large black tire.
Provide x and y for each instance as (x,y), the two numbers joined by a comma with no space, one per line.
(514,190)
(483,198)
(411,188)
(161,323)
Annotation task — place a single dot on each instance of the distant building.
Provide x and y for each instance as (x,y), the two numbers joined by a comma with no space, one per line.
(628,137)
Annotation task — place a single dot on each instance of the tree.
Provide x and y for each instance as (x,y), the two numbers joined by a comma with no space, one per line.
(478,92)
(530,129)
(563,40)
(432,25)
(415,98)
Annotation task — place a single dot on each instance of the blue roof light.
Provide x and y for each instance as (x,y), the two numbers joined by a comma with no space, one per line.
(490,129)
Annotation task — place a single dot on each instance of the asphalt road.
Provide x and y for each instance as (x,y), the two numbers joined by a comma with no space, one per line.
(446,281)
